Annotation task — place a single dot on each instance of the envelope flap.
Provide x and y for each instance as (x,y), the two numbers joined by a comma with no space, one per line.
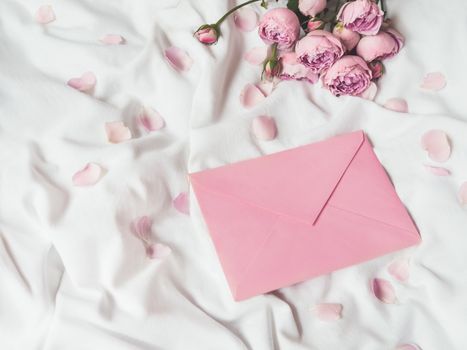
(296,183)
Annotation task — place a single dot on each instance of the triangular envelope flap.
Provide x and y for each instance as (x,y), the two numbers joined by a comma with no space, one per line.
(295,183)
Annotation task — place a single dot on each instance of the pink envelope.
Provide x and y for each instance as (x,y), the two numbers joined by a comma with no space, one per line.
(289,216)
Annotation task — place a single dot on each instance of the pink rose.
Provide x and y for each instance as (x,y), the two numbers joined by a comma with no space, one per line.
(348,76)
(361,16)
(311,7)
(207,34)
(281,26)
(318,50)
(292,70)
(383,45)
(349,38)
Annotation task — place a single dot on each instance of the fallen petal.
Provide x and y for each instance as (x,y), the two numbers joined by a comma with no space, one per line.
(264,128)
(45,14)
(84,83)
(463,193)
(397,105)
(438,170)
(256,55)
(117,132)
(150,119)
(251,95)
(328,311)
(141,228)
(408,347)
(113,39)
(384,291)
(87,176)
(181,203)
(178,59)
(399,269)
(434,81)
(246,19)
(370,93)
(158,251)
(436,143)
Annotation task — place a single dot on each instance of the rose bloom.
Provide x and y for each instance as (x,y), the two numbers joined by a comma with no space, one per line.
(380,46)
(349,38)
(361,16)
(292,70)
(280,26)
(350,75)
(311,7)
(207,34)
(318,50)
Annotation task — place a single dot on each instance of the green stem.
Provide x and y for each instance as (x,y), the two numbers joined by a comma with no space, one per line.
(274,51)
(232,10)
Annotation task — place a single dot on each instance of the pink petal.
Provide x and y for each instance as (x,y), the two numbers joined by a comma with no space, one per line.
(328,312)
(45,14)
(117,132)
(246,19)
(264,128)
(438,170)
(178,59)
(384,290)
(141,228)
(87,176)
(266,87)
(399,269)
(433,81)
(158,251)
(151,120)
(436,143)
(256,55)
(113,39)
(370,93)
(251,95)
(84,83)
(408,347)
(463,193)
(397,105)
(181,203)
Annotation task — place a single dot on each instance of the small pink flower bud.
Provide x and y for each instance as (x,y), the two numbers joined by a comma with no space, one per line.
(314,24)
(207,34)
(377,69)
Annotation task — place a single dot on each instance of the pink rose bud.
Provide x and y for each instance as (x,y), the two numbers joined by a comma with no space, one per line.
(311,7)
(280,26)
(350,75)
(383,45)
(377,69)
(272,68)
(361,16)
(318,50)
(292,70)
(207,34)
(349,38)
(315,24)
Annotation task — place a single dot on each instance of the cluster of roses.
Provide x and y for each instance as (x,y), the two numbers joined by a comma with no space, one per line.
(345,51)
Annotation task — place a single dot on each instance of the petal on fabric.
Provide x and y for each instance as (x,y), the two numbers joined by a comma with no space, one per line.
(434,81)
(328,311)
(370,93)
(383,290)
(181,203)
(439,171)
(246,19)
(408,347)
(264,128)
(399,269)
(141,228)
(178,59)
(158,251)
(84,83)
(256,55)
(87,176)
(463,193)
(251,96)
(117,132)
(150,119)
(397,104)
(45,14)
(113,39)
(436,143)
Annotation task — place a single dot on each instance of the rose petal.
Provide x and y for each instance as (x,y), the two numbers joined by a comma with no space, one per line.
(384,291)
(370,93)
(246,19)
(433,81)
(256,55)
(84,83)
(251,95)
(408,347)
(436,143)
(264,128)
(328,311)
(113,39)
(399,269)
(45,14)
(438,170)
(117,132)
(463,193)
(87,176)
(181,203)
(397,105)
(141,228)
(178,59)
(150,119)
(158,251)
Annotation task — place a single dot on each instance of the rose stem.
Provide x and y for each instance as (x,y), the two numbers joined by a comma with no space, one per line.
(233,10)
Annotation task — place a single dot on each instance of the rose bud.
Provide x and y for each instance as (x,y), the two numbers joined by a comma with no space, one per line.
(318,50)
(272,68)
(280,26)
(350,75)
(383,45)
(311,7)
(361,16)
(349,38)
(315,24)
(207,34)
(377,69)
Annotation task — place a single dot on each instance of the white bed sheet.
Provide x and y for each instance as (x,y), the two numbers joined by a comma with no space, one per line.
(72,277)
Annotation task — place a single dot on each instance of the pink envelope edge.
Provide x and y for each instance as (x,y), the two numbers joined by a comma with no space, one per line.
(289,216)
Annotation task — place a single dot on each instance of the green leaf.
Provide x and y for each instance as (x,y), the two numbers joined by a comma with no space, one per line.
(293,5)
